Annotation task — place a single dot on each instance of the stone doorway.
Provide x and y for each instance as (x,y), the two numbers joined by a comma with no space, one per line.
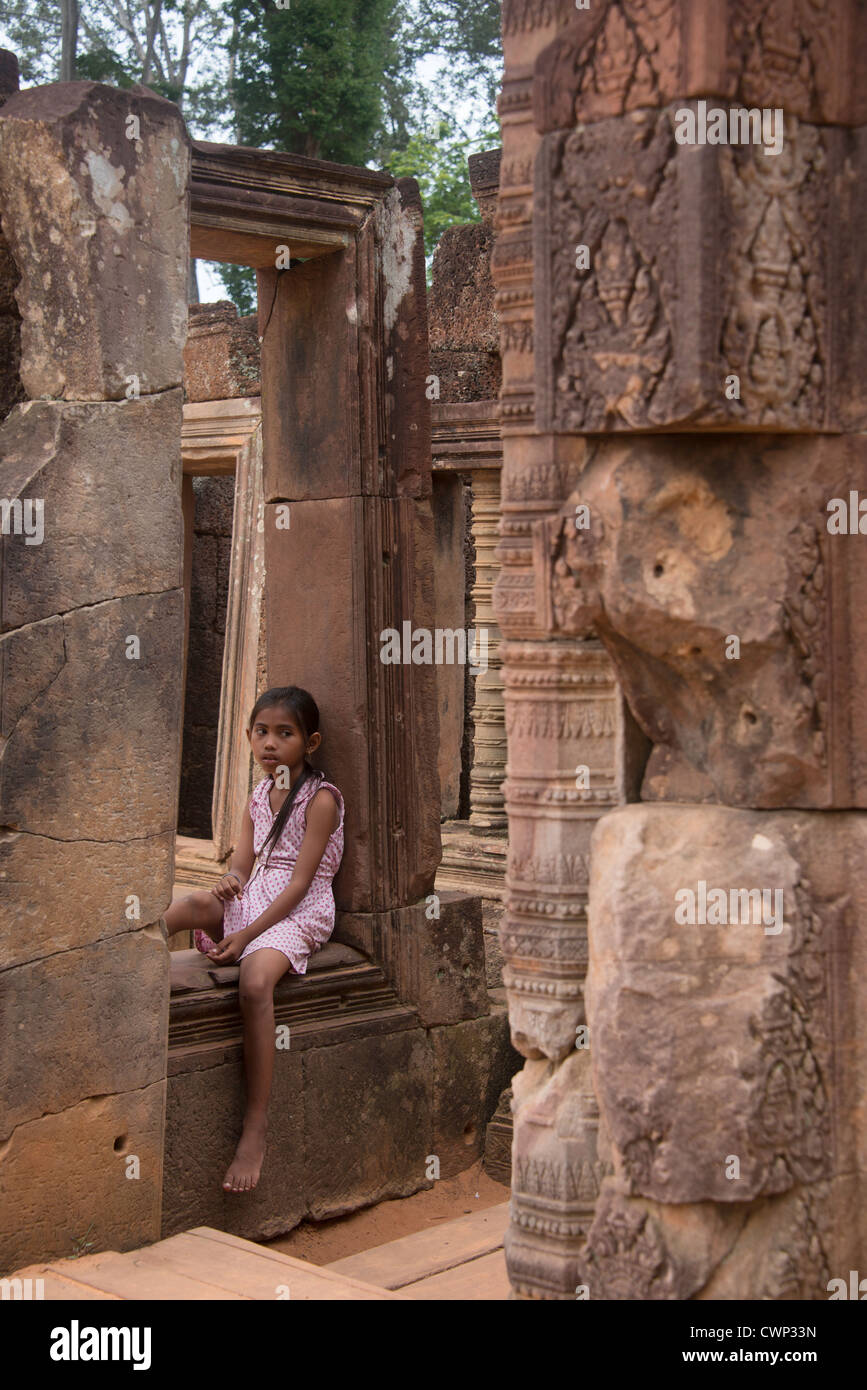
(224,575)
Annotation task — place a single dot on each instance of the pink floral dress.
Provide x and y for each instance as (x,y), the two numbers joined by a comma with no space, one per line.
(309,925)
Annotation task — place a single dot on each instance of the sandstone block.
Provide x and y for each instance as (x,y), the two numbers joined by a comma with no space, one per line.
(107,479)
(702,287)
(56,895)
(461,304)
(204,1112)
(379,720)
(721,1026)
(618,55)
(319,320)
(101,728)
(450,586)
(782,1248)
(638,1251)
(434,963)
(725,602)
(473,1062)
(94,191)
(367,1122)
(100,1028)
(484,170)
(465,375)
(221,354)
(97,1199)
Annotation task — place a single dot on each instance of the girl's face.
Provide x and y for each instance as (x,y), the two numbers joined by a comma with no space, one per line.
(277,741)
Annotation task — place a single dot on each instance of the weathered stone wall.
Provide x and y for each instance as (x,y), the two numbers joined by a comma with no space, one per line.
(449,511)
(221,354)
(94,200)
(214,500)
(358,557)
(11,390)
(705,1140)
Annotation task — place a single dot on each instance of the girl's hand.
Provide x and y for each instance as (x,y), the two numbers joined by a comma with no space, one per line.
(228,952)
(229,886)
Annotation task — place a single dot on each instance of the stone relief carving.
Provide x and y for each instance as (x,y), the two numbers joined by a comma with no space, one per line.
(626,1257)
(610,330)
(520,16)
(536,719)
(792,1114)
(612,59)
(788,48)
(677,593)
(772,338)
(620,55)
(797,1268)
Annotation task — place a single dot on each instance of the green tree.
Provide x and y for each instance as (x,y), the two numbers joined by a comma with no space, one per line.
(437,157)
(311,78)
(465,34)
(343,80)
(175,47)
(454,105)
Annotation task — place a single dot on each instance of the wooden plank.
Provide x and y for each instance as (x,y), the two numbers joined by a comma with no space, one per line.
(476,1281)
(405,1261)
(134,1276)
(63,1286)
(251,1271)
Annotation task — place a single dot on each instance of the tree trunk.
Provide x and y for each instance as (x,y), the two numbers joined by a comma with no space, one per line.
(68,39)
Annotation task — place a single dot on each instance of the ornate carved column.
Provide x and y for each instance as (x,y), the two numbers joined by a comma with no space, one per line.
(654,293)
(487,806)
(466,439)
(563,709)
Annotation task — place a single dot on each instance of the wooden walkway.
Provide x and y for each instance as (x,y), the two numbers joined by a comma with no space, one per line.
(462,1259)
(458,1260)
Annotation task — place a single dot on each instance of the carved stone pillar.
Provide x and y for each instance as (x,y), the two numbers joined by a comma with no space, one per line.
(487,806)
(563,709)
(653,294)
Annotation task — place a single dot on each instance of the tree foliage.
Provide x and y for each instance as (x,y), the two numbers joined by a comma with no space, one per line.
(311,79)
(437,157)
(406,85)
(175,47)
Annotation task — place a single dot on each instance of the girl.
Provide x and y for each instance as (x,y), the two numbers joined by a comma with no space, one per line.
(274,917)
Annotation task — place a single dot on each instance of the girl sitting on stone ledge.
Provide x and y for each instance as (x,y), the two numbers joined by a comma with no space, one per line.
(273,917)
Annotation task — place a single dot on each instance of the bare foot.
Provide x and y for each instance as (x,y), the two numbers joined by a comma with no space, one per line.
(243,1172)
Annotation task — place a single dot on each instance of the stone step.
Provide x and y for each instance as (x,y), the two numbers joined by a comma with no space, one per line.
(444,1247)
(343,994)
(199,1264)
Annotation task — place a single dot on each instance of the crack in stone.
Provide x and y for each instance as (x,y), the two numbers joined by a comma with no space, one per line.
(83,607)
(8,830)
(6,1142)
(148,928)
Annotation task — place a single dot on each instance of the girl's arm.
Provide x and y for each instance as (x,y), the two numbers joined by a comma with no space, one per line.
(321,815)
(242,861)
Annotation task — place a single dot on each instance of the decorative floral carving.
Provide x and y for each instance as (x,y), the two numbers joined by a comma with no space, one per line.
(772,339)
(806,622)
(520,16)
(575,719)
(611,336)
(626,1257)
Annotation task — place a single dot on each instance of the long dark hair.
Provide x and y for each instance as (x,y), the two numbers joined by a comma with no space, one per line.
(302,705)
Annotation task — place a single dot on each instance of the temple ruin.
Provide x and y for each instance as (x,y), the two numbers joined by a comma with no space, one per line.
(622,435)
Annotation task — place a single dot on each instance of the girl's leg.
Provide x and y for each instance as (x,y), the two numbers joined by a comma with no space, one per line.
(259,974)
(197,910)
